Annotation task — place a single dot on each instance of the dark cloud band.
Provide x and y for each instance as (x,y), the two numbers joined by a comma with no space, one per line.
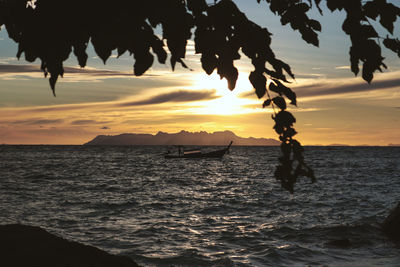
(177,96)
(17,69)
(323,89)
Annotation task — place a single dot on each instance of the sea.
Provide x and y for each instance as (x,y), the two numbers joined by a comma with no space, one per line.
(129,200)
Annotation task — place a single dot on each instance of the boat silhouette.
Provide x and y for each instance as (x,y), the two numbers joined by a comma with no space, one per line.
(196,153)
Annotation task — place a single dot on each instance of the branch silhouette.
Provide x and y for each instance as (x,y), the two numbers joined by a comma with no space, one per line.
(51,30)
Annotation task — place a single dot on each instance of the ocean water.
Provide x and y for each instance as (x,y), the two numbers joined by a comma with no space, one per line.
(129,200)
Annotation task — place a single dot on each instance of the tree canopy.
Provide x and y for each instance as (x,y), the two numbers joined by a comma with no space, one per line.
(51,30)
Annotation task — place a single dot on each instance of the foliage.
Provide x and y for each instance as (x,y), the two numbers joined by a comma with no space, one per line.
(50,30)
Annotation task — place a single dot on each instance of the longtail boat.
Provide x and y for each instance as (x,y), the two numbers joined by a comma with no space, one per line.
(194,154)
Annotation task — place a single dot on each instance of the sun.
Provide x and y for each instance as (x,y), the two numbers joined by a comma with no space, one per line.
(228,102)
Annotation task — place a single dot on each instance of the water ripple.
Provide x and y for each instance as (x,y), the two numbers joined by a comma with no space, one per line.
(229,212)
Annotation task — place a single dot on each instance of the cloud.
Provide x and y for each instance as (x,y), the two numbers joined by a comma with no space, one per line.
(7,60)
(342,68)
(10,68)
(176,96)
(249,94)
(179,96)
(325,88)
(35,121)
(83,122)
(310,76)
(14,69)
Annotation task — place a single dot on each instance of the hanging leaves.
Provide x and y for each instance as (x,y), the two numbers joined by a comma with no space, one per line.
(277,87)
(387,11)
(294,13)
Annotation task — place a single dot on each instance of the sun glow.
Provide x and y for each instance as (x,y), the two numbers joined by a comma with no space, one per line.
(229,102)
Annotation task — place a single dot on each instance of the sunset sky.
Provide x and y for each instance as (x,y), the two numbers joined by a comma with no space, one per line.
(333,105)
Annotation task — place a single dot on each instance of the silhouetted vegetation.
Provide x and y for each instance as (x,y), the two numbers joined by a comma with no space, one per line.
(50,30)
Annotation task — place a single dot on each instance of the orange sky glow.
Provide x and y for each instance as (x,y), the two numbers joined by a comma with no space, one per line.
(334,107)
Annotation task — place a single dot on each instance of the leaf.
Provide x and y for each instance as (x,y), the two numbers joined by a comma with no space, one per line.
(281,89)
(317,3)
(52,81)
(310,37)
(282,65)
(367,72)
(389,16)
(275,75)
(173,62)
(392,44)
(354,59)
(336,4)
(289,133)
(372,8)
(267,103)
(209,63)
(143,63)
(158,47)
(259,83)
(274,88)
(197,6)
(286,150)
(368,31)
(280,102)
(183,64)
(20,51)
(371,55)
(315,25)
(232,78)
(285,118)
(80,53)
(278,6)
(227,70)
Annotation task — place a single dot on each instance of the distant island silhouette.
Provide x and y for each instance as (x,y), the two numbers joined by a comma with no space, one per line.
(182,138)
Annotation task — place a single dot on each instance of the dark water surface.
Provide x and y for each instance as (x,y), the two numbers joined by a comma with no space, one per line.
(229,212)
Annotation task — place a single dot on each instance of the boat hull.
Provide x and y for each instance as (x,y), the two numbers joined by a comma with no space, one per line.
(212,154)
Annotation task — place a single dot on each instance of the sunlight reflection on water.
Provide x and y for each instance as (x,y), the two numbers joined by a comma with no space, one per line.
(131,200)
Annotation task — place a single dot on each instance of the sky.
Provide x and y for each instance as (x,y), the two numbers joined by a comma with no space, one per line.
(334,106)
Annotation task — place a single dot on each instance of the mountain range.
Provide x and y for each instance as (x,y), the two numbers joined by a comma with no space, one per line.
(182,138)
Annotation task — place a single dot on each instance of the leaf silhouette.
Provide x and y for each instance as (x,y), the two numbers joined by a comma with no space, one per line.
(267,103)
(315,25)
(392,44)
(209,63)
(354,59)
(387,11)
(336,4)
(368,31)
(277,87)
(284,118)
(280,102)
(389,16)
(259,82)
